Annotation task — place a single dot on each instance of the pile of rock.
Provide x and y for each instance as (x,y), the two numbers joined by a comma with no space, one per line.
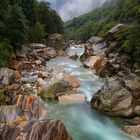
(23,114)
(26,119)
(120,95)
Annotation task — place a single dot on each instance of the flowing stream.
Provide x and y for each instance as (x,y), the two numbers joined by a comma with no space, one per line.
(81,121)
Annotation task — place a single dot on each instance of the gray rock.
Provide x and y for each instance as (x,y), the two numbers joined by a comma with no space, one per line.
(34,130)
(32,106)
(56,41)
(116,28)
(9,113)
(113,99)
(6,76)
(95,40)
(132,130)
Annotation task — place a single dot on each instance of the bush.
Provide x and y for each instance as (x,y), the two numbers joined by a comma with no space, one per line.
(123,35)
(106,28)
(37,32)
(5,53)
(133,42)
(129,38)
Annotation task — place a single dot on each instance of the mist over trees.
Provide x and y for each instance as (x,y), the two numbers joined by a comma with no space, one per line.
(69,9)
(98,22)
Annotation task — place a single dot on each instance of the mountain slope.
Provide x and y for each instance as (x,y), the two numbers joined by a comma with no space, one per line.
(23,21)
(110,13)
(69,9)
(98,22)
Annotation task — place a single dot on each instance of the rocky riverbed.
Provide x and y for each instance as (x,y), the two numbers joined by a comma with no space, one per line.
(45,84)
(121,92)
(23,114)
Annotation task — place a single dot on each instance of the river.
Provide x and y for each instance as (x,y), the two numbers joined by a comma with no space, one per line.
(81,121)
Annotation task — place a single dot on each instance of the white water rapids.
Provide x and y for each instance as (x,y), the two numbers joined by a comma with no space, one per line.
(81,121)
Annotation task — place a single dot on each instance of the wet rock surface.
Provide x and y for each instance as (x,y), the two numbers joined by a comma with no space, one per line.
(120,95)
(23,114)
(72,98)
(27,120)
(132,130)
(34,130)
(113,99)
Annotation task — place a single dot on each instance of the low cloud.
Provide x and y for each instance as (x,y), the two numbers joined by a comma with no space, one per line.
(74,8)
(69,9)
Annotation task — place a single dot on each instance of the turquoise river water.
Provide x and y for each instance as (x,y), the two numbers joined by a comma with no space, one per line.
(81,121)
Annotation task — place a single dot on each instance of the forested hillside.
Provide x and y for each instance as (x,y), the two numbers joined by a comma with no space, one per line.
(24,21)
(98,22)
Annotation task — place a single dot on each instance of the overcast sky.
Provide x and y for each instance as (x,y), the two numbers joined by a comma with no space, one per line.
(69,9)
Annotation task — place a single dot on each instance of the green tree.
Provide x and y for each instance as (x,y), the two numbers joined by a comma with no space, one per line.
(17,29)
(29,10)
(5,53)
(37,32)
(49,19)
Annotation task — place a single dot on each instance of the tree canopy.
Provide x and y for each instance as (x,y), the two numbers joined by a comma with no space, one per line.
(23,21)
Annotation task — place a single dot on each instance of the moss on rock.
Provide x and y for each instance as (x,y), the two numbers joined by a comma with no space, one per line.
(55,90)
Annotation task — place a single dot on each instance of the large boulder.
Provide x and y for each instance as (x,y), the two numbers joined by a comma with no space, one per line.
(96,62)
(88,52)
(74,98)
(59,83)
(95,40)
(116,28)
(132,130)
(56,41)
(27,120)
(56,89)
(34,130)
(111,33)
(6,76)
(9,114)
(29,106)
(107,70)
(132,82)
(32,106)
(94,46)
(113,99)
(100,48)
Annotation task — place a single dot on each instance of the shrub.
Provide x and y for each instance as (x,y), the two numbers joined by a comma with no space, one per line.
(5,53)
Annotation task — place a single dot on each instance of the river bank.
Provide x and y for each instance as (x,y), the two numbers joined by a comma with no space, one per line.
(58,79)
